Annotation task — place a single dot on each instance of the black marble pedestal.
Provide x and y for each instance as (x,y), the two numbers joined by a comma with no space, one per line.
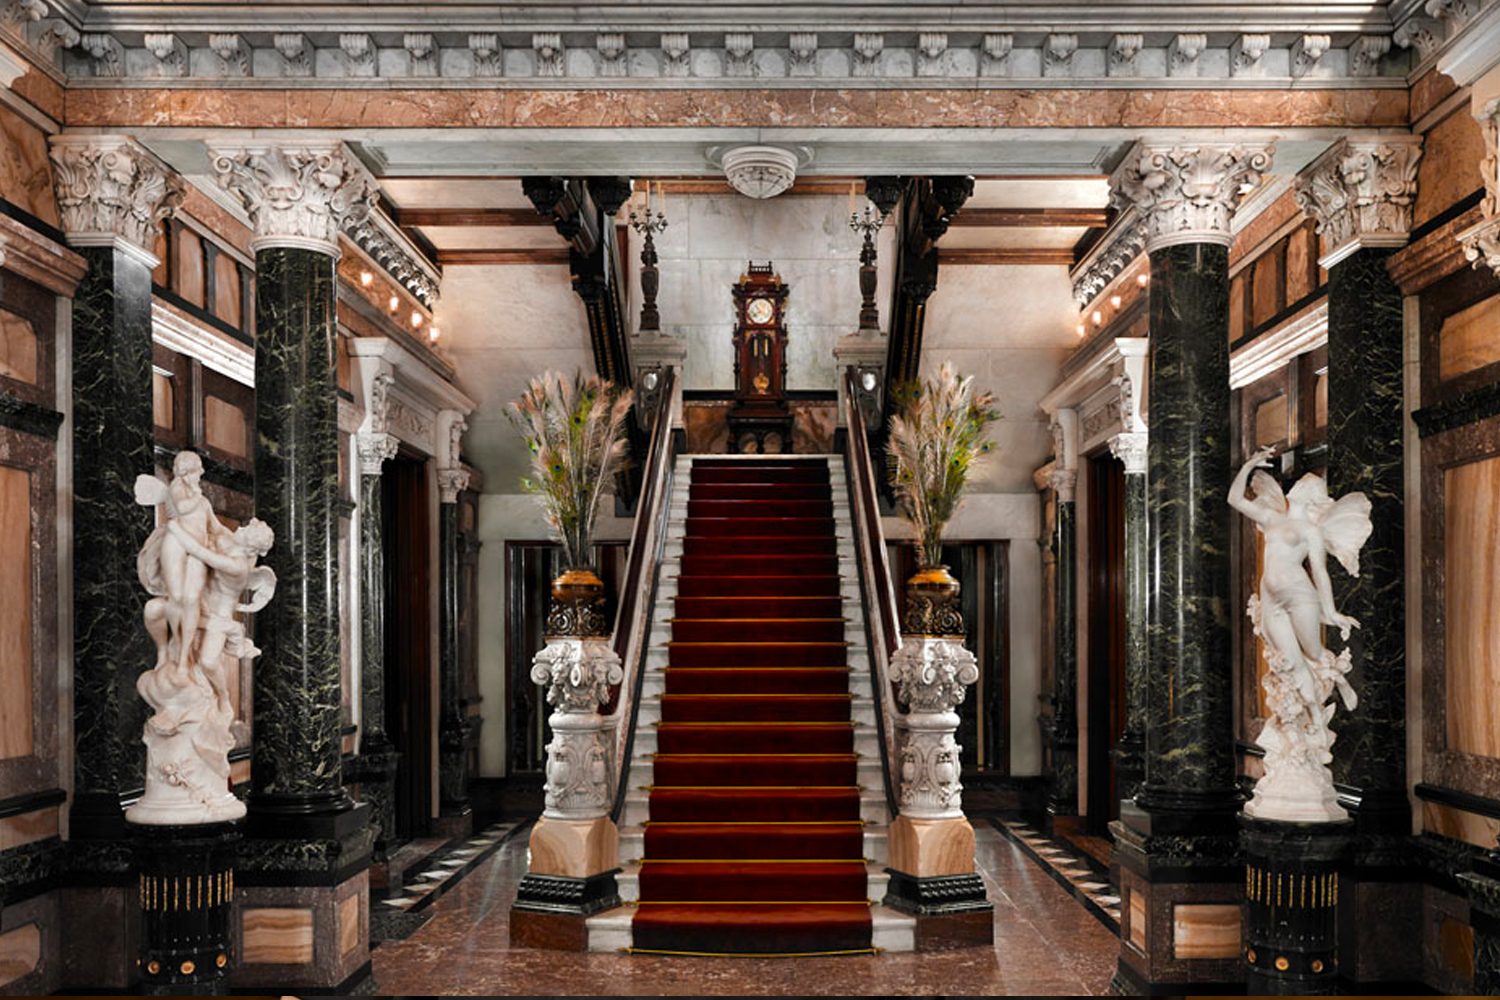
(1291,905)
(187,906)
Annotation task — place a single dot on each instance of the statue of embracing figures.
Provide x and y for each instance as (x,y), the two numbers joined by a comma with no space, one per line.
(1294,603)
(196,570)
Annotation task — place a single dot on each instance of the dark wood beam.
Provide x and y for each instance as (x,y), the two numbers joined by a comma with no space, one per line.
(505,255)
(469,217)
(1006,255)
(1034,217)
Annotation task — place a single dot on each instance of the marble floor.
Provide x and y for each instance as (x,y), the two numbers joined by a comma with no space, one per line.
(1046,943)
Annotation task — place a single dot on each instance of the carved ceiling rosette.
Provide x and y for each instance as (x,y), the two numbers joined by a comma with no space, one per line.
(109,188)
(296,196)
(1360,193)
(1188,193)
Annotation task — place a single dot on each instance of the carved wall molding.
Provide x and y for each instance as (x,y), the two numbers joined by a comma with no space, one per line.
(1360,193)
(1188,193)
(111,190)
(296,196)
(377,236)
(1122,243)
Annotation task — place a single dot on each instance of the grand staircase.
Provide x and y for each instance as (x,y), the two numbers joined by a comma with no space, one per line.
(755,815)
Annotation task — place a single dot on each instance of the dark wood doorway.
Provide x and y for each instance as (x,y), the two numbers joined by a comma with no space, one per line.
(1106,632)
(407,524)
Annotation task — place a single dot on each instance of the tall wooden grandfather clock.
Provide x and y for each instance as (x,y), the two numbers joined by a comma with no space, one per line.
(760,420)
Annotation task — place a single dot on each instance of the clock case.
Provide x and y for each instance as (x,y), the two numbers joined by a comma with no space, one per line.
(760,421)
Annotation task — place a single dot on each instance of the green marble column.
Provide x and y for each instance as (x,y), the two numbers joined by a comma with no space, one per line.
(1062,796)
(453,725)
(1130,752)
(1189,693)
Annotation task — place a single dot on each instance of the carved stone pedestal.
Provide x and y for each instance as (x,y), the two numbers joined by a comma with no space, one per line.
(1291,905)
(187,907)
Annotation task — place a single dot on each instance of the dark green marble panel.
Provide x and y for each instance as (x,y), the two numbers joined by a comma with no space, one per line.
(1190,728)
(1130,753)
(372,616)
(1365,454)
(1063,795)
(112,444)
(453,728)
(298,741)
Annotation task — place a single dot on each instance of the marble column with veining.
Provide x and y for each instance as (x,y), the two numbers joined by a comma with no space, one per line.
(1360,193)
(112,196)
(297,198)
(1062,797)
(1130,761)
(453,725)
(1187,195)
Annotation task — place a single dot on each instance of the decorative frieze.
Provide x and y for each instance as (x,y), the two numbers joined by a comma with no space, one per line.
(1307,51)
(1424,34)
(233,53)
(171,53)
(1057,54)
(549,53)
(1247,53)
(1360,193)
(803,46)
(675,50)
(1365,53)
(1188,194)
(1122,244)
(359,54)
(486,50)
(296,53)
(930,48)
(53,36)
(17,14)
(422,51)
(1123,50)
(867,48)
(739,54)
(106,54)
(296,196)
(995,52)
(110,189)
(374,235)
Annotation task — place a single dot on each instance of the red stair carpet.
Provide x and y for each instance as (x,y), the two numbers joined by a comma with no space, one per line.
(754,843)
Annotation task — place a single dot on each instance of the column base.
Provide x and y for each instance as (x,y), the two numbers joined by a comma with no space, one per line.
(551,911)
(575,848)
(926,847)
(186,893)
(1181,889)
(371,776)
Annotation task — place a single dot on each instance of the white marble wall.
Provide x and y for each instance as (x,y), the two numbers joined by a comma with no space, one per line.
(709,240)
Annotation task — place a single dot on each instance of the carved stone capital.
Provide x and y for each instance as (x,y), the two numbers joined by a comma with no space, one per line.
(374,449)
(578,673)
(1130,448)
(1481,244)
(1360,193)
(452,482)
(1064,483)
(296,196)
(1188,193)
(931,677)
(110,190)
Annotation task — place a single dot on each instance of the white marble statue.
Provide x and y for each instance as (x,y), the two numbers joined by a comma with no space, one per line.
(1295,602)
(196,570)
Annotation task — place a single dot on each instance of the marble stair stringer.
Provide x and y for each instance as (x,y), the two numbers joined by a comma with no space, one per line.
(891,930)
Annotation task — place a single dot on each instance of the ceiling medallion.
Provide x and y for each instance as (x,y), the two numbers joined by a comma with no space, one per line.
(760,171)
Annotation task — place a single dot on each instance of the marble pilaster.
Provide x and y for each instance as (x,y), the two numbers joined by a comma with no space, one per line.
(112,195)
(303,829)
(1177,840)
(453,725)
(1062,796)
(1130,762)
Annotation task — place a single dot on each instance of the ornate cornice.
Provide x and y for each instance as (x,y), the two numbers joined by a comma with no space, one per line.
(112,191)
(1188,193)
(1360,193)
(34,256)
(378,237)
(1121,245)
(296,196)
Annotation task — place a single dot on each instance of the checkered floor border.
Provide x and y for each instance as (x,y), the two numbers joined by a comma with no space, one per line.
(1074,870)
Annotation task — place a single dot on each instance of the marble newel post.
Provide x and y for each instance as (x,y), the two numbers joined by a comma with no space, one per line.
(1062,796)
(112,195)
(1179,867)
(308,844)
(931,844)
(1129,446)
(375,765)
(1360,193)
(454,728)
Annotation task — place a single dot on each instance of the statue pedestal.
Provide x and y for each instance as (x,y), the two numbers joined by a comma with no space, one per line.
(187,906)
(1291,905)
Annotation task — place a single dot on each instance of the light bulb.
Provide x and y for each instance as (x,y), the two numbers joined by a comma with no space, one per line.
(395,303)
(365,277)
(1115,301)
(416,318)
(1082,329)
(432,334)
(1143,279)
(1098,317)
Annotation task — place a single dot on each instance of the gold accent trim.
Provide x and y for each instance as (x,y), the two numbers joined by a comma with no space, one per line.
(1250,954)
(153,967)
(221,960)
(1281,963)
(188,967)
(1317,965)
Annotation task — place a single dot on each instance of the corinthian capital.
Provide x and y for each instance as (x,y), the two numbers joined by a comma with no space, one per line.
(374,449)
(1188,193)
(111,191)
(1360,193)
(296,196)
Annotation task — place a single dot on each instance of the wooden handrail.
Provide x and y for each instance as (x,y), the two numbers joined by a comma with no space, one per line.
(875,583)
(633,623)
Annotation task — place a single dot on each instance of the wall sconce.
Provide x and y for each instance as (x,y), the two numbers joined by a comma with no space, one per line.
(395,303)
(365,277)
(1114,300)
(416,319)
(1143,279)
(432,335)
(1098,317)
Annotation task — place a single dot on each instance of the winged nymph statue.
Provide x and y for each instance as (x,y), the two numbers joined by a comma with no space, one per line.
(196,570)
(1294,603)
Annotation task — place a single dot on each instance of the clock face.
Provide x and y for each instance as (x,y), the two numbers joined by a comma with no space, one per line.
(760,311)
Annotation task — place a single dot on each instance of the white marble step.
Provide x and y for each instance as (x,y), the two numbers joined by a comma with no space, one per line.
(891,930)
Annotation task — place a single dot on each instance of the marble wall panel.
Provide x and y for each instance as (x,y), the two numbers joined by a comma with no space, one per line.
(1301,250)
(1259,229)
(348,925)
(1428,91)
(1206,930)
(28,828)
(1237,287)
(1265,288)
(29,947)
(226,303)
(1452,152)
(25,171)
(15,613)
(1270,421)
(1469,339)
(20,952)
(18,348)
(705,427)
(207,211)
(276,935)
(1457,824)
(225,427)
(1472,519)
(163,400)
(1136,934)
(188,264)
